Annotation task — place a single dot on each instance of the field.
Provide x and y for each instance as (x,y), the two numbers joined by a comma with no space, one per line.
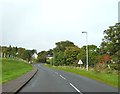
(108,78)
(13,68)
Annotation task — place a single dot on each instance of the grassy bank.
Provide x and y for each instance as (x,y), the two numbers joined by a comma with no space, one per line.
(0,71)
(108,78)
(11,69)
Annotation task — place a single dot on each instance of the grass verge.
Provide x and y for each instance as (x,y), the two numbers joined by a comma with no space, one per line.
(108,78)
(13,68)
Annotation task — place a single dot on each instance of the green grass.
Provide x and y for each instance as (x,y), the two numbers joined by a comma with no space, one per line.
(13,68)
(0,70)
(108,78)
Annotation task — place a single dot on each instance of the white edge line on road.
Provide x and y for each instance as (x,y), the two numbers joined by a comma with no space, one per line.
(76,88)
(62,77)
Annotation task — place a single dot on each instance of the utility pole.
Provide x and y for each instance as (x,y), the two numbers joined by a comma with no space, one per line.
(86,50)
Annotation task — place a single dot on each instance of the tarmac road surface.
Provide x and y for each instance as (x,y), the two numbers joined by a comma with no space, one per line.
(51,80)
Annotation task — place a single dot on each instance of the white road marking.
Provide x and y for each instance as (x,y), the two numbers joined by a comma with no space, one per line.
(62,77)
(56,72)
(76,88)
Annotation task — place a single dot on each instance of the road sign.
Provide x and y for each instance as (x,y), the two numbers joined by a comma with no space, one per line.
(80,62)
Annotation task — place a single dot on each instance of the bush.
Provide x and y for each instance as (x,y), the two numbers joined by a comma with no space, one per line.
(100,67)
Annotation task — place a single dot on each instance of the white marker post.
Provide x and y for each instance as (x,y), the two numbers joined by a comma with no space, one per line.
(80,62)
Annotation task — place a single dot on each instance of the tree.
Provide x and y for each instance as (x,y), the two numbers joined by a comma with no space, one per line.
(27,55)
(58,58)
(93,52)
(71,55)
(33,51)
(65,53)
(111,41)
(42,56)
(9,51)
(4,51)
(14,52)
(20,52)
(50,52)
(82,55)
(61,46)
(103,61)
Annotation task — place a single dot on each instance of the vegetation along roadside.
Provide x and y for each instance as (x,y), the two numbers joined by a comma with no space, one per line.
(108,78)
(13,68)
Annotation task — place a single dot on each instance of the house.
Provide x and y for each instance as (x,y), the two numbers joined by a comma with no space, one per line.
(49,56)
(35,56)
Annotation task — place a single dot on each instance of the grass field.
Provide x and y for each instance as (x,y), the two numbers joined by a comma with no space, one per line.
(110,79)
(13,68)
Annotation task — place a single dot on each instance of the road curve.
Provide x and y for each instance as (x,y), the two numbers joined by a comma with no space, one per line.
(51,80)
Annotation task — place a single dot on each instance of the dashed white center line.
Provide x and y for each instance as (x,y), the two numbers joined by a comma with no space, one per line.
(62,77)
(56,72)
(76,88)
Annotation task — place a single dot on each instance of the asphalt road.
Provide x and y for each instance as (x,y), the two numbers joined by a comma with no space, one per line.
(51,80)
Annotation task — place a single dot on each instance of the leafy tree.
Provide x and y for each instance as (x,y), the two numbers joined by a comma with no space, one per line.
(61,46)
(9,51)
(93,52)
(20,52)
(65,53)
(42,56)
(14,51)
(4,51)
(103,61)
(58,58)
(111,41)
(50,52)
(33,51)
(82,55)
(27,55)
(71,55)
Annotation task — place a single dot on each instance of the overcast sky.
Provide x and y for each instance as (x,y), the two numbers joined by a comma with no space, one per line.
(40,24)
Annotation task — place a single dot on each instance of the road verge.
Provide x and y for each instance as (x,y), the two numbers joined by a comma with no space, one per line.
(15,85)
